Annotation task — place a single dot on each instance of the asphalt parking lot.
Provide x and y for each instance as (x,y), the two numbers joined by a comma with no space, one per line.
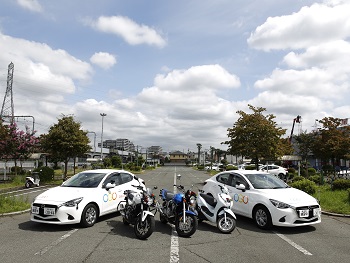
(109,240)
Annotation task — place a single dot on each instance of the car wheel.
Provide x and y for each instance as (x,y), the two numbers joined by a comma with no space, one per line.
(281,176)
(89,215)
(262,217)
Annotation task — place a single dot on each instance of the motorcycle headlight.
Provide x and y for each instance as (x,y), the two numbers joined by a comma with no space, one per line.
(280,205)
(192,201)
(72,203)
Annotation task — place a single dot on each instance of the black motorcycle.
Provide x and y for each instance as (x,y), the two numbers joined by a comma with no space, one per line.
(135,210)
(178,209)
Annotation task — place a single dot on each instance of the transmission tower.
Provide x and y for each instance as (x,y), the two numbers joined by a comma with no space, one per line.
(7,110)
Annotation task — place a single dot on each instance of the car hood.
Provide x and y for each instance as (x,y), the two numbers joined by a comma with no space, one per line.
(63,194)
(291,196)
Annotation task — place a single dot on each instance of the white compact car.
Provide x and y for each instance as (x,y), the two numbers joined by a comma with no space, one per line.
(276,170)
(266,199)
(83,197)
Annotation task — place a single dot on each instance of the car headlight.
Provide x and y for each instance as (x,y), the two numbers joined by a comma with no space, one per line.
(280,205)
(72,203)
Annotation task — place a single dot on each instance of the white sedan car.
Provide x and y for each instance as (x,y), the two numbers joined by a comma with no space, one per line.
(266,199)
(83,197)
(276,170)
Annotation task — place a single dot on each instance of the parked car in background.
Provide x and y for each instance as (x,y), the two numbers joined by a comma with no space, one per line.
(265,198)
(213,167)
(276,170)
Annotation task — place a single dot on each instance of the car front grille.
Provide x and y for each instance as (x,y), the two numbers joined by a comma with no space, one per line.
(41,208)
(310,208)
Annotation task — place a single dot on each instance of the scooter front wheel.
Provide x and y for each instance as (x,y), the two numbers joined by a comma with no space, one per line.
(226,225)
(28,184)
(144,229)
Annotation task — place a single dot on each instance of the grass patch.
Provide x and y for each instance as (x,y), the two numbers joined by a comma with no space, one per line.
(333,201)
(11,204)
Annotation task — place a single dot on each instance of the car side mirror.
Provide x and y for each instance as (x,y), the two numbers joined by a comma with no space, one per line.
(240,187)
(109,186)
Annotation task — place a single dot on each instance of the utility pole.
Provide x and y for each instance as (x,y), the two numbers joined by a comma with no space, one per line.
(102,115)
(7,110)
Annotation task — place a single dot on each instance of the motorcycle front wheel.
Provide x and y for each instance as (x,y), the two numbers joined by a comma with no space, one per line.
(144,229)
(226,225)
(187,228)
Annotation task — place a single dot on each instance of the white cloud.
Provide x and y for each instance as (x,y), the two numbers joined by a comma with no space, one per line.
(40,69)
(308,27)
(333,56)
(129,30)
(103,60)
(32,5)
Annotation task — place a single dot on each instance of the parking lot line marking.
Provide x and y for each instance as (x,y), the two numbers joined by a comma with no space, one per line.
(55,243)
(293,244)
(174,247)
(174,250)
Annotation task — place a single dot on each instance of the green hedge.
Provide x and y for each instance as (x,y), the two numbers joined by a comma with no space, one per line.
(341,184)
(305,185)
(46,174)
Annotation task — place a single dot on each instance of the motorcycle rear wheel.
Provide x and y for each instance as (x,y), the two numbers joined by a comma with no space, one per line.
(228,225)
(125,222)
(187,228)
(162,218)
(144,229)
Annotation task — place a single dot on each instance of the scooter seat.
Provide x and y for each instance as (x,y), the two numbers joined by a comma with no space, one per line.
(209,199)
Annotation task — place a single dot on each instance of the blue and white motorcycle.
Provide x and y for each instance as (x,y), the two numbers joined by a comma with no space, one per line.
(178,209)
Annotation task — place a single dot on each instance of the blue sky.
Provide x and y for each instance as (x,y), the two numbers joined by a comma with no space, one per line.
(174,73)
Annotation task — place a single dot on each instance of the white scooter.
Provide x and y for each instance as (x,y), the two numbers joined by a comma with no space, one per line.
(33,180)
(217,210)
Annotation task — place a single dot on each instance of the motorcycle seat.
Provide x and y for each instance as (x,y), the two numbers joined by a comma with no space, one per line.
(209,199)
(168,195)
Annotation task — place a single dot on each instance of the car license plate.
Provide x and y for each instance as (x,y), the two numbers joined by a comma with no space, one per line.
(49,211)
(35,210)
(303,213)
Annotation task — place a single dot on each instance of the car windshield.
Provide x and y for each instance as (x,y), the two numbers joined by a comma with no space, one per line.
(265,181)
(85,180)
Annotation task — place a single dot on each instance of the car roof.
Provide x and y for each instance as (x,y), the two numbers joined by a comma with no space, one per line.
(243,172)
(104,171)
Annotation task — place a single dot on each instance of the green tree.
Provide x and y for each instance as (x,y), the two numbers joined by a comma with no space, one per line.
(65,140)
(256,136)
(332,140)
(116,161)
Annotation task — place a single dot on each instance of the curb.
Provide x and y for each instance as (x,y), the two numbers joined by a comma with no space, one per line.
(335,214)
(15,213)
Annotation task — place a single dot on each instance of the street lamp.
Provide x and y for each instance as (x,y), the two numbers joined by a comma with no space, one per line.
(102,115)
